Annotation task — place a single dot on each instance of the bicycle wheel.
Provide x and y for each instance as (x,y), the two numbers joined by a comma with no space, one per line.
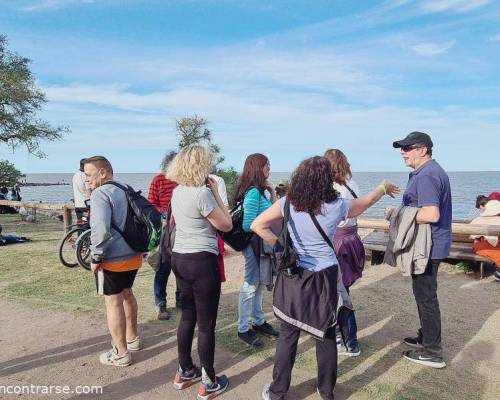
(67,248)
(83,250)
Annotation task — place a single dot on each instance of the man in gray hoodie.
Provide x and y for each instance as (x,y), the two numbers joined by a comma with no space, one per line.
(114,263)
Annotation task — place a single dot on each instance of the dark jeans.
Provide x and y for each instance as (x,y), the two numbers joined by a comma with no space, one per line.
(425,292)
(286,350)
(199,284)
(352,328)
(160,283)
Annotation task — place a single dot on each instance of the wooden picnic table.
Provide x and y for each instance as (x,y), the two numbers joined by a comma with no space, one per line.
(461,247)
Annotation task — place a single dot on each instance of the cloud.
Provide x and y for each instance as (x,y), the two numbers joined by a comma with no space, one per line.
(432,49)
(45,5)
(435,6)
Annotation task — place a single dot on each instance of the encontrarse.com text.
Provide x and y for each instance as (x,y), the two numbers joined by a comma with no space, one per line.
(49,389)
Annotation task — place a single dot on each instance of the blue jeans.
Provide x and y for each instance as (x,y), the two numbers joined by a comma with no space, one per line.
(251,294)
(352,328)
(160,284)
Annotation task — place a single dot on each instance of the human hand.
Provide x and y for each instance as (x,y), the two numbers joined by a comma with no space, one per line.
(390,188)
(95,267)
(212,185)
(269,186)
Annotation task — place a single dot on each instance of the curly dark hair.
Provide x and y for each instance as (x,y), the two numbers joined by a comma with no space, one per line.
(252,175)
(312,185)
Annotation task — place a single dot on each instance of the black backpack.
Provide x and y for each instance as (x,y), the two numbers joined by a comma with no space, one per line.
(143,224)
(237,238)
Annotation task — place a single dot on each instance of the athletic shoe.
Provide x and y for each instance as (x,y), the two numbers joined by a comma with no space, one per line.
(415,342)
(497,275)
(265,392)
(208,389)
(266,329)
(428,360)
(184,379)
(251,339)
(344,351)
(112,358)
(162,314)
(134,344)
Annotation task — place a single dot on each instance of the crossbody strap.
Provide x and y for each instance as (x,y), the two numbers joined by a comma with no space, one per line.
(351,191)
(321,231)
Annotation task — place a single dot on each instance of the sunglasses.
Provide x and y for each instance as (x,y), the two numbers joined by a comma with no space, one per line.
(408,148)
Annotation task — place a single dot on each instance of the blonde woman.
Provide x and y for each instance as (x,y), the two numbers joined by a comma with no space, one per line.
(198,211)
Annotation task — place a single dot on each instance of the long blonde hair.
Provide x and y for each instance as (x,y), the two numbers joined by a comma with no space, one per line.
(191,166)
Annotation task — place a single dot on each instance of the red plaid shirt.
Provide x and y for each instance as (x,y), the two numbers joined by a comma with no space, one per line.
(160,192)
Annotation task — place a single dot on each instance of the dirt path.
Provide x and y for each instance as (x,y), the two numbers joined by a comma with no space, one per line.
(49,347)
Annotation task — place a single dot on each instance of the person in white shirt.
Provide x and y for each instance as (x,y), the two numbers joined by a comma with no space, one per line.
(348,245)
(81,192)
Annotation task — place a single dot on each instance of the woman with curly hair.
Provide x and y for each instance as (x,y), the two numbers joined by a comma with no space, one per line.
(348,245)
(251,188)
(311,196)
(199,212)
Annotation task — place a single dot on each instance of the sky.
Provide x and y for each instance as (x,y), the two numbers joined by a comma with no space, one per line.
(287,78)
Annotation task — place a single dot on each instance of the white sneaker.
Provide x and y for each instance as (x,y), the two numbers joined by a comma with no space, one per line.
(134,344)
(112,358)
(265,392)
(344,351)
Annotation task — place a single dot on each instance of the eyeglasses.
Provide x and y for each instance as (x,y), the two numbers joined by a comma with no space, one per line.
(409,148)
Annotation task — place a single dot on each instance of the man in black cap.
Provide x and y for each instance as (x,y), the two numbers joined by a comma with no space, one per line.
(428,189)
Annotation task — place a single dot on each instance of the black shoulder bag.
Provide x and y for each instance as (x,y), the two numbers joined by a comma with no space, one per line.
(287,260)
(237,237)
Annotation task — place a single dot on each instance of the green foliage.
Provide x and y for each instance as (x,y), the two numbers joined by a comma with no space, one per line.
(20,100)
(9,174)
(193,130)
(230,176)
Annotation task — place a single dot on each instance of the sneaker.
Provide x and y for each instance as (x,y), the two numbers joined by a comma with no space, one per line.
(428,360)
(415,342)
(162,314)
(497,275)
(266,329)
(251,339)
(134,344)
(265,392)
(208,389)
(112,358)
(184,379)
(344,351)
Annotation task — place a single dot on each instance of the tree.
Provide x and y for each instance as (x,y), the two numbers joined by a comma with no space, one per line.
(9,174)
(193,130)
(20,100)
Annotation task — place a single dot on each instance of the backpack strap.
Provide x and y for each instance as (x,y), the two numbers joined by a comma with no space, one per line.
(118,185)
(321,231)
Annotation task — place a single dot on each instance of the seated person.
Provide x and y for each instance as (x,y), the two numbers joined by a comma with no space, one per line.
(488,246)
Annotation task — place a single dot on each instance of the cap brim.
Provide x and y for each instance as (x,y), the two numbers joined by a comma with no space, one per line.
(400,143)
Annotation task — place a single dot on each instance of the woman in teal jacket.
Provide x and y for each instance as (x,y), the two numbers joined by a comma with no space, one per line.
(251,187)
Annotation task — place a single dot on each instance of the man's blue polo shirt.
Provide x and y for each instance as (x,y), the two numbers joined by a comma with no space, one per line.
(429,186)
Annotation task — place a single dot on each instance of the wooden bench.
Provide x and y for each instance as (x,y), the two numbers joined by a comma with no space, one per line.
(461,247)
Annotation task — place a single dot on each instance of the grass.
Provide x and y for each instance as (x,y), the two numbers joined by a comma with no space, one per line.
(31,272)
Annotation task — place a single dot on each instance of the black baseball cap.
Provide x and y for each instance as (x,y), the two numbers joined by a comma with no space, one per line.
(414,138)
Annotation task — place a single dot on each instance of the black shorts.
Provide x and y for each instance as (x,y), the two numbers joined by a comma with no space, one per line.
(109,282)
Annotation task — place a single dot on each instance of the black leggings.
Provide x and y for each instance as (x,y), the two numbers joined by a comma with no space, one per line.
(199,284)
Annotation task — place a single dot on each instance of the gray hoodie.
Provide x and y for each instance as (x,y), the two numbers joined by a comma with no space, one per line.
(409,243)
(108,203)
